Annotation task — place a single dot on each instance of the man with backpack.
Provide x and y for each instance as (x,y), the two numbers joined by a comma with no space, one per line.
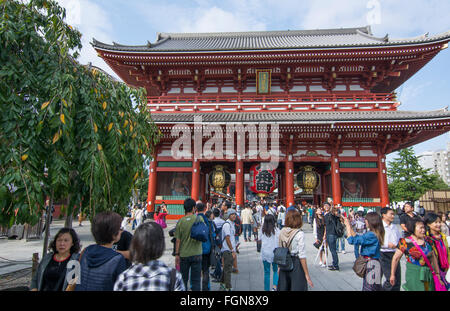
(188,251)
(207,247)
(228,249)
(218,223)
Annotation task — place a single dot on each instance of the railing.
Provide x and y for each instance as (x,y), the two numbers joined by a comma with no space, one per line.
(290,102)
(361,200)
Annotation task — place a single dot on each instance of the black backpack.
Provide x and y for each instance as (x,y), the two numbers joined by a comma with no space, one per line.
(340,229)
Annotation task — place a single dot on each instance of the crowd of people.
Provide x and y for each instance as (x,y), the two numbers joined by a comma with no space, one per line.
(206,246)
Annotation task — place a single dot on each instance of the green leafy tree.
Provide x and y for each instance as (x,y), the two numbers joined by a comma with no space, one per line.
(408,179)
(67,131)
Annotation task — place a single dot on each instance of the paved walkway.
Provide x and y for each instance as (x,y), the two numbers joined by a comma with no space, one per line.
(250,277)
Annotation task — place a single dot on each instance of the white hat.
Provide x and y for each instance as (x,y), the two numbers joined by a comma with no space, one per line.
(360,209)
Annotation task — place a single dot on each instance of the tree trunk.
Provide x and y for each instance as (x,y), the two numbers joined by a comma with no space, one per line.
(69,216)
(69,220)
(47,225)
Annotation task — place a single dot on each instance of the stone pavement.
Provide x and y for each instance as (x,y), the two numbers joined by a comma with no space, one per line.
(16,255)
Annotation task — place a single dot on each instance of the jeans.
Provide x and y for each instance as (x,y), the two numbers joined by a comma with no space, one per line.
(342,240)
(192,264)
(331,240)
(247,228)
(267,274)
(227,268)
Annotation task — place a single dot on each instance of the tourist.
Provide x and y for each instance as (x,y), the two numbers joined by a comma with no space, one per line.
(281,216)
(81,218)
(207,246)
(370,243)
(391,238)
(445,229)
(139,215)
(147,272)
(268,235)
(161,214)
(218,223)
(319,232)
(310,214)
(123,245)
(359,227)
(418,276)
(331,236)
(292,236)
(100,264)
(256,223)
(188,253)
(438,241)
(341,240)
(52,272)
(408,213)
(228,249)
(247,221)
(133,217)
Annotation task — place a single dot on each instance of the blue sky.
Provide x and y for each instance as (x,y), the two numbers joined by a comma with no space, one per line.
(135,22)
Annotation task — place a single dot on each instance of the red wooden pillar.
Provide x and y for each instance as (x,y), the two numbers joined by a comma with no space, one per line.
(202,187)
(151,194)
(289,181)
(240,182)
(335,180)
(195,180)
(382,180)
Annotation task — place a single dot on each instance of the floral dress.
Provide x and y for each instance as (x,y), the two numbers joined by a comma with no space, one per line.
(418,275)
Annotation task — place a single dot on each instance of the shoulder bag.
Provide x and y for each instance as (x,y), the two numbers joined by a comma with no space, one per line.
(360,266)
(437,283)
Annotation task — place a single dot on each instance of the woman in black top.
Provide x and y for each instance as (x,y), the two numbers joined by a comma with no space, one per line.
(53,269)
(319,231)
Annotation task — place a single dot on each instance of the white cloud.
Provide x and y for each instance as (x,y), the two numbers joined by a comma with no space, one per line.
(93,22)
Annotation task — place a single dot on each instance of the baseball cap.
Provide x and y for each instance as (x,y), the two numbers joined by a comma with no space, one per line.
(230,212)
(360,209)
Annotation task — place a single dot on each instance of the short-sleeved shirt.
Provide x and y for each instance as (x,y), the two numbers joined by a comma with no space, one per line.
(228,229)
(412,254)
(188,246)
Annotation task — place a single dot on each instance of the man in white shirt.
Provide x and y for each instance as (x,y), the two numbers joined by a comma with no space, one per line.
(228,249)
(247,221)
(391,237)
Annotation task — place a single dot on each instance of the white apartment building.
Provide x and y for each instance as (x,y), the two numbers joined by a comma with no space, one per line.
(438,162)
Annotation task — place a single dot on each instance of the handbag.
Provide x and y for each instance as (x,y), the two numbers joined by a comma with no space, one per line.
(282,256)
(360,266)
(437,284)
(317,244)
(199,230)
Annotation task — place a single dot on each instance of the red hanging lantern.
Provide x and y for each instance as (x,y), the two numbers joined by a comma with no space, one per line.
(263,180)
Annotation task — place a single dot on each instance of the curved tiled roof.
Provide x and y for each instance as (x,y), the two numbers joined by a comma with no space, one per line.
(268,40)
(302,117)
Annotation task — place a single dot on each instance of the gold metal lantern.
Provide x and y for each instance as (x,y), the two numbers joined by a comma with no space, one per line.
(219,178)
(308,179)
